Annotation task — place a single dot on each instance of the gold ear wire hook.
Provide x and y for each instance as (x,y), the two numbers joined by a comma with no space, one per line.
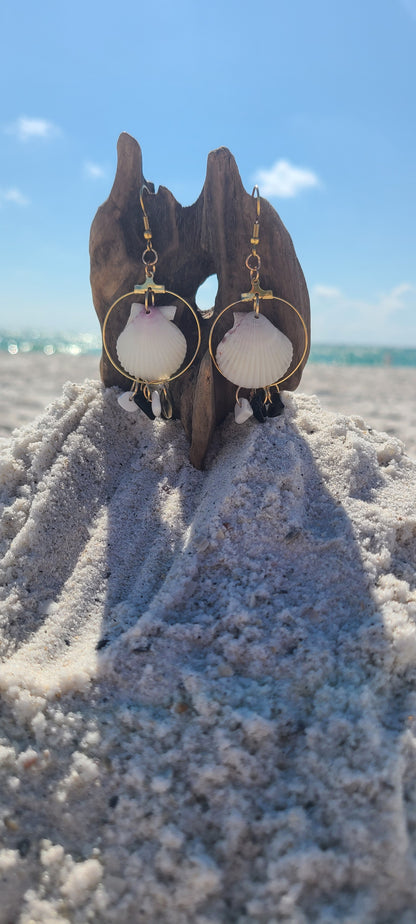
(149,255)
(255,237)
(256,195)
(147,231)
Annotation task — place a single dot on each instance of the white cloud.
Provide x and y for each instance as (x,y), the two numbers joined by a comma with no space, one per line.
(26,129)
(94,171)
(388,318)
(14,196)
(285,180)
(326,292)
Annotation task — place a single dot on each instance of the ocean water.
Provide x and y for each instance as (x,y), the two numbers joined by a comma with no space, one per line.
(353,355)
(77,344)
(49,342)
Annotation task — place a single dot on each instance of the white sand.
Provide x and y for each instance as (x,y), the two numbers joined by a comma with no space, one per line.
(208,679)
(384,397)
(30,381)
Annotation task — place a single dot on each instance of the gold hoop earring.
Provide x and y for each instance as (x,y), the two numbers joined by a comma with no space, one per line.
(151,349)
(254,354)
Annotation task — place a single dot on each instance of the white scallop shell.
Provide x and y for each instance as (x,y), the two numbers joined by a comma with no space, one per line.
(150,347)
(254,353)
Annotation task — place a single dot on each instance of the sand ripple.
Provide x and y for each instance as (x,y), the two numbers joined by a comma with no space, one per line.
(207,678)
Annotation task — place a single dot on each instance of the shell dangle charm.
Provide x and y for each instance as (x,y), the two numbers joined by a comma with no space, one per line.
(254,353)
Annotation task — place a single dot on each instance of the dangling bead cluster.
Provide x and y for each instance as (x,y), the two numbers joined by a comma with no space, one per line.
(155,402)
(262,403)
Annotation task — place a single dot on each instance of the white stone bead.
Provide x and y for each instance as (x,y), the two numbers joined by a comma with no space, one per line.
(127,403)
(242,410)
(156,405)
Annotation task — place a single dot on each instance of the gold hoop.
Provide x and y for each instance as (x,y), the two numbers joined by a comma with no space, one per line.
(244,302)
(134,378)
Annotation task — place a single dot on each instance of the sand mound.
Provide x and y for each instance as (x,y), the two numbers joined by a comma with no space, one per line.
(207,678)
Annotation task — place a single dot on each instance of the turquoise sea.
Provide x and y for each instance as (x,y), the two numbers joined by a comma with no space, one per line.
(76,344)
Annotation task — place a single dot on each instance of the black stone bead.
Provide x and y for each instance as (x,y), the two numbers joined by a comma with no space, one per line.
(276,406)
(259,407)
(144,404)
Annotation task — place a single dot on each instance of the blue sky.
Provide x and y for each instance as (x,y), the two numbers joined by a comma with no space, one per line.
(316,101)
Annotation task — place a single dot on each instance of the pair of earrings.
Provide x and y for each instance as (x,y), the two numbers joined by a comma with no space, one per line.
(152,351)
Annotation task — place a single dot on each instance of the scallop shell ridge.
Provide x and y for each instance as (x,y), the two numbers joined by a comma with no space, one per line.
(151,347)
(254,353)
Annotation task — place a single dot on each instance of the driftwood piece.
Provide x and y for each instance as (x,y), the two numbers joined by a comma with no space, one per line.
(211,236)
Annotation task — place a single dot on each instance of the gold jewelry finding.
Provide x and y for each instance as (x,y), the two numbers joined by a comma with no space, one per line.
(148,290)
(256,295)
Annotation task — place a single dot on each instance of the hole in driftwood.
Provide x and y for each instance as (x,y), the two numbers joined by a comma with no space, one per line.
(207,293)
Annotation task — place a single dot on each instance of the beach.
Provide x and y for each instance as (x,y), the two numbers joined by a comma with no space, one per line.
(382,395)
(207,678)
